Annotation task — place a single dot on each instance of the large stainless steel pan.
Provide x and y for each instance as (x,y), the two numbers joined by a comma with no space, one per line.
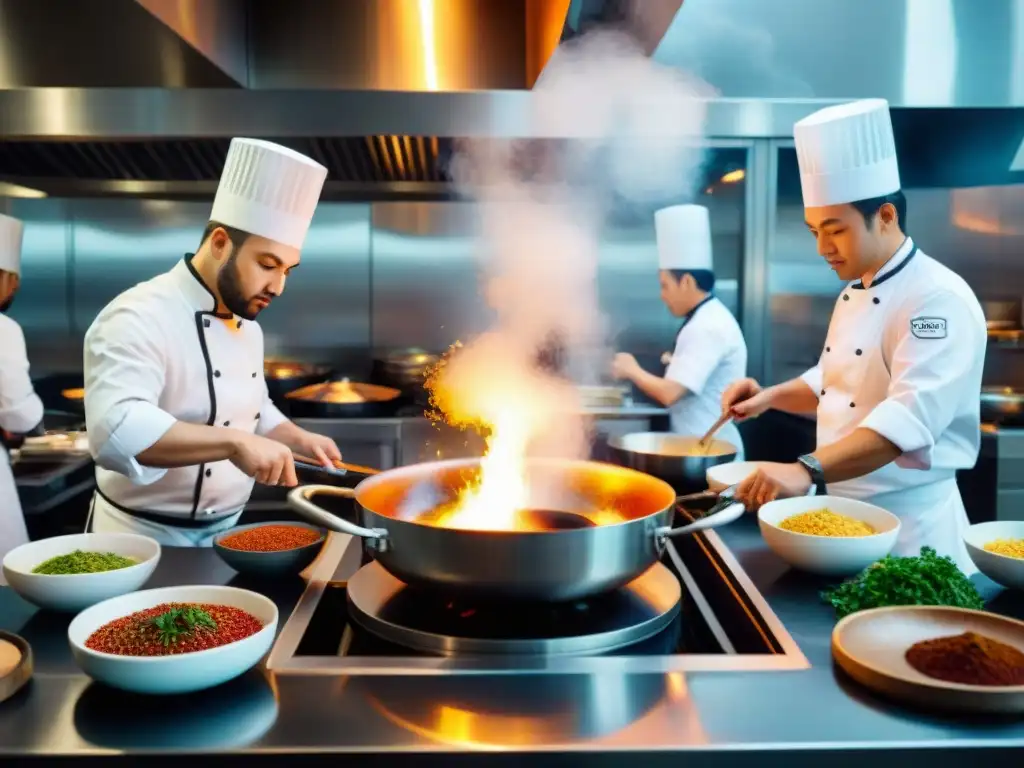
(596,527)
(676,459)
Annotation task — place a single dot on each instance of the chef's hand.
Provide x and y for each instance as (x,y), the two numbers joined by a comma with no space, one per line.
(322,448)
(624,366)
(773,481)
(266,460)
(745,399)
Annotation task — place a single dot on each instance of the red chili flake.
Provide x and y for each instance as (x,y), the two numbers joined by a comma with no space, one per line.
(136,635)
(271,538)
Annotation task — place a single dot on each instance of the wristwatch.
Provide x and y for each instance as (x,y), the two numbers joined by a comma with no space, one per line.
(814,469)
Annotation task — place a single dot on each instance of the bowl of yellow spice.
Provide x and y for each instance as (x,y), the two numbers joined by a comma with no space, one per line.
(71,573)
(997,548)
(828,535)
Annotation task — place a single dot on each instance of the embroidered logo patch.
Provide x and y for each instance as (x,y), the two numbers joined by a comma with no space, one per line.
(928,327)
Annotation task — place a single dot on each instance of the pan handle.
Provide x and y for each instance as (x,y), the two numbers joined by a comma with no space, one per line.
(298,499)
(726,514)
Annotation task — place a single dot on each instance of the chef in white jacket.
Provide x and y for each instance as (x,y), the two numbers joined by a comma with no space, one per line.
(178,416)
(21,410)
(710,352)
(897,387)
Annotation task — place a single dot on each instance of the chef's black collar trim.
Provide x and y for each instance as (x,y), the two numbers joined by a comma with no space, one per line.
(205,287)
(859,285)
(689,315)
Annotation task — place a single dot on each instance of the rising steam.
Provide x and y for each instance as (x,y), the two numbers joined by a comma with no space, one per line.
(613,129)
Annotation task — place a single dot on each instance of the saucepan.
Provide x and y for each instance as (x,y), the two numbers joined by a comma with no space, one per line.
(681,460)
(587,528)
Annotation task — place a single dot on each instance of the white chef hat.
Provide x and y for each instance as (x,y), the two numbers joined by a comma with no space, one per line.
(847,153)
(11,231)
(268,190)
(683,233)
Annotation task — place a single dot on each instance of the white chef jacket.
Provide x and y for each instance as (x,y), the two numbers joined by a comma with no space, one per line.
(156,354)
(904,358)
(710,354)
(21,410)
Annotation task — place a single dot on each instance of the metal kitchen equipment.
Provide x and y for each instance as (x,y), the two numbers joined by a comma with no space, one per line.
(1003,406)
(407,370)
(677,459)
(284,376)
(596,529)
(343,399)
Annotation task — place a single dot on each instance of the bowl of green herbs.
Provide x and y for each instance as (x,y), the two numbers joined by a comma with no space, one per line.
(924,579)
(71,573)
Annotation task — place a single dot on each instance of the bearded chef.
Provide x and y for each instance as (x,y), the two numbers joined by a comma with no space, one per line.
(897,387)
(178,416)
(710,352)
(21,410)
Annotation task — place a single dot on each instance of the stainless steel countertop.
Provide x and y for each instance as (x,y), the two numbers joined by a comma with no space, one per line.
(705,719)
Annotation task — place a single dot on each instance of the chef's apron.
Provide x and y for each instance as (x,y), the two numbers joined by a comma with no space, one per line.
(855,379)
(106,518)
(13,532)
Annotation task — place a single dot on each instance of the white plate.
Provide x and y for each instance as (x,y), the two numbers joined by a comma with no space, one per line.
(76,591)
(722,476)
(180,673)
(828,555)
(1002,569)
(870,646)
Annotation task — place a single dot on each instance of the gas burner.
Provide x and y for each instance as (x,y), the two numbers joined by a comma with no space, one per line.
(425,622)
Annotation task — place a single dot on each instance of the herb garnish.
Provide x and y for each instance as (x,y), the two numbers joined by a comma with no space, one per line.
(926,579)
(178,622)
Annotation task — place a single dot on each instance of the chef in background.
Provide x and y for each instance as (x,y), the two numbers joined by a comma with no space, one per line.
(897,387)
(710,352)
(178,415)
(21,410)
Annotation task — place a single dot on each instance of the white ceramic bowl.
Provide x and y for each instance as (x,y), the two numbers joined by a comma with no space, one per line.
(1002,569)
(181,673)
(722,476)
(74,592)
(828,555)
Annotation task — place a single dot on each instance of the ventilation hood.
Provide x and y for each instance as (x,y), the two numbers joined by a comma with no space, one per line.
(142,96)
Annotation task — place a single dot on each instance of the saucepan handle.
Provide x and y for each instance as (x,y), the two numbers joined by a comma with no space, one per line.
(723,513)
(299,500)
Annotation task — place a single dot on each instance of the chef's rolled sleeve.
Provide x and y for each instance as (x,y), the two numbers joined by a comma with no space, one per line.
(21,410)
(124,376)
(932,370)
(814,379)
(270,415)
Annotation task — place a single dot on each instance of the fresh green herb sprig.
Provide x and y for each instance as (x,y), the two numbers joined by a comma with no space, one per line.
(181,622)
(925,579)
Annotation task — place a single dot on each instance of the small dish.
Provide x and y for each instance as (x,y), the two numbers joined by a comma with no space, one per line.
(178,673)
(1002,569)
(870,646)
(74,592)
(15,664)
(278,563)
(722,476)
(828,555)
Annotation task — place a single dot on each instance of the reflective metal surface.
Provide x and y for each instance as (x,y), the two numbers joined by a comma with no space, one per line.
(388,608)
(941,53)
(122,113)
(102,43)
(677,459)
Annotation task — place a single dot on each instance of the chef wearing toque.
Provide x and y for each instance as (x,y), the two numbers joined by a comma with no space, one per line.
(178,416)
(21,410)
(710,352)
(897,387)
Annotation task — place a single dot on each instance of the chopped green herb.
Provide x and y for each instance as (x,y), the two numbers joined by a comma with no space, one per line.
(925,579)
(182,622)
(83,562)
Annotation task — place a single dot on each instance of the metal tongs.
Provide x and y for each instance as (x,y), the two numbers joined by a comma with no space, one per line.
(725,498)
(340,468)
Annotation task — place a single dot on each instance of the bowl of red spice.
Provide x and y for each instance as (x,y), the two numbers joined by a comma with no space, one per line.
(174,639)
(70,573)
(936,657)
(270,549)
